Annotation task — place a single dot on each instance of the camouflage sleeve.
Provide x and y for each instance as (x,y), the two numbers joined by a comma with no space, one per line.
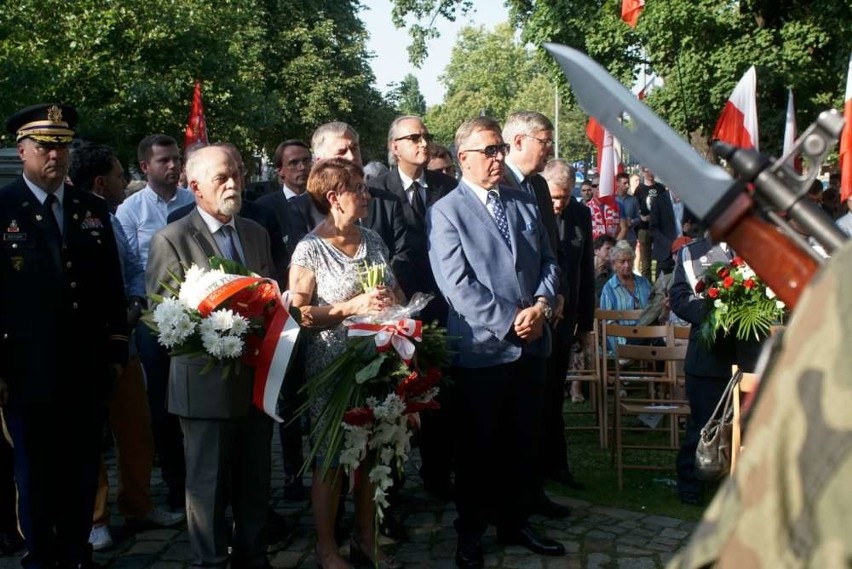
(789,503)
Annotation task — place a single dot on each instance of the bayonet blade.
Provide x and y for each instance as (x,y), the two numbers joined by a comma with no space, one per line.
(706,189)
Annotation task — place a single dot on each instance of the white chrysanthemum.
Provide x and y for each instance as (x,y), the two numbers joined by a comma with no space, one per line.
(173,323)
(226,320)
(199,283)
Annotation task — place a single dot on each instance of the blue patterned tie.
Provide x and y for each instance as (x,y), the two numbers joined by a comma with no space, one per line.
(230,249)
(495,208)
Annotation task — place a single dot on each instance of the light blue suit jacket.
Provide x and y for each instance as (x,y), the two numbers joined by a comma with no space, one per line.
(483,281)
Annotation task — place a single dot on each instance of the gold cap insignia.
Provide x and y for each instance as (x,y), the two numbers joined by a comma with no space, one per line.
(54,114)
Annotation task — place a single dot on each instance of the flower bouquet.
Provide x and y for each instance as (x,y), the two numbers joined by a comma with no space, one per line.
(389,371)
(230,316)
(739,302)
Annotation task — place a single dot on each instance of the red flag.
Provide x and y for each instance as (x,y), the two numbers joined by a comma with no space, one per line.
(630,10)
(595,133)
(795,162)
(738,123)
(644,91)
(846,141)
(196,126)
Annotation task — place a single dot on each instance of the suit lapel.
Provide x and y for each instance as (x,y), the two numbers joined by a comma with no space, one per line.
(251,252)
(203,236)
(481,212)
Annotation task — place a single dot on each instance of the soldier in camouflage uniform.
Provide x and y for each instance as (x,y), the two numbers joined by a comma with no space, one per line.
(789,504)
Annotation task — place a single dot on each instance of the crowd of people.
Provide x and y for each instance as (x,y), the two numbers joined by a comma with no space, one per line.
(516,265)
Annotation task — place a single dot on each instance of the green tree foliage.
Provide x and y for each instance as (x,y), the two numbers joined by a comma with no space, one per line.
(490,72)
(407,98)
(700,49)
(270,69)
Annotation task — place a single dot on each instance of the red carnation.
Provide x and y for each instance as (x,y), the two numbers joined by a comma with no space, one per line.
(700,286)
(728,282)
(713,292)
(737,262)
(358,417)
(723,272)
(748,283)
(418,406)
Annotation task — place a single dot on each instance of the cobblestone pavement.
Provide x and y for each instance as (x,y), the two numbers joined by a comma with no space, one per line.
(594,536)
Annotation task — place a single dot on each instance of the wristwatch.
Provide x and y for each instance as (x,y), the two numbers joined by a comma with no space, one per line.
(548,311)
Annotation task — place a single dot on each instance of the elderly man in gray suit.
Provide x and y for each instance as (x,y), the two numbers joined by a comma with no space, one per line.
(492,261)
(226,439)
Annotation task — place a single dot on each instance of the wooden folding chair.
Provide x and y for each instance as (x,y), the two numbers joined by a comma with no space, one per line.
(608,324)
(589,374)
(660,385)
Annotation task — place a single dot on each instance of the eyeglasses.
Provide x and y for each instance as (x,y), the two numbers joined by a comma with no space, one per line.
(416,138)
(359,189)
(304,163)
(546,142)
(491,151)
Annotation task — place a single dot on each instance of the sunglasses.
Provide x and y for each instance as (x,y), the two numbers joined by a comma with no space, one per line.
(492,150)
(416,138)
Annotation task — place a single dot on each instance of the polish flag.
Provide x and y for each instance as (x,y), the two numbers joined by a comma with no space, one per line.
(795,162)
(846,141)
(606,187)
(644,91)
(595,133)
(196,126)
(738,123)
(630,10)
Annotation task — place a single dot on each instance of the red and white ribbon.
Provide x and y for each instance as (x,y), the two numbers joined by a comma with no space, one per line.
(398,334)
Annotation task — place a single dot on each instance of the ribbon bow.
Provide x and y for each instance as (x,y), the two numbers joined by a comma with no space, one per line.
(398,334)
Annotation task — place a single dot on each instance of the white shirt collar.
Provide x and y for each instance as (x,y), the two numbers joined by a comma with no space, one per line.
(212,223)
(288,193)
(479,191)
(41,195)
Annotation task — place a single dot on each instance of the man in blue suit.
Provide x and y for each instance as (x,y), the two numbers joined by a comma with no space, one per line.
(492,262)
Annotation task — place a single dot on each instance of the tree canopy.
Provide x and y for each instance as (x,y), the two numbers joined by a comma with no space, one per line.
(270,69)
(699,49)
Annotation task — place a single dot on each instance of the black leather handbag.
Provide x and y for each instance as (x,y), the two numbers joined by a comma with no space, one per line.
(713,454)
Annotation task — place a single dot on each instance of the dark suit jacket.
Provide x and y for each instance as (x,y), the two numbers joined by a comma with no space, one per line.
(280,206)
(663,228)
(61,308)
(484,281)
(174,248)
(385,217)
(542,199)
(268,219)
(575,255)
(417,276)
(701,359)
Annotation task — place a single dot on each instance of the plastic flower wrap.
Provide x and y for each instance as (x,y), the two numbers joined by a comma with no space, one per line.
(739,302)
(390,371)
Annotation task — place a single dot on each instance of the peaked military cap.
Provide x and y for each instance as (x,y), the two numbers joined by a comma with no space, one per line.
(47,123)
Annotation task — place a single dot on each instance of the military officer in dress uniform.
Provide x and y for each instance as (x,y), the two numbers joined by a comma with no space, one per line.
(63,337)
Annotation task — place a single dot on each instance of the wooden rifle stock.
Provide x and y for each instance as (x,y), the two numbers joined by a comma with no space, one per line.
(776,259)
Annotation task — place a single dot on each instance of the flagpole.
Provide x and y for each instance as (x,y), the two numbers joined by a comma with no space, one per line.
(556,123)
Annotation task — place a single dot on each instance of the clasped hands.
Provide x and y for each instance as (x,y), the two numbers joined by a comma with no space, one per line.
(373,301)
(529,323)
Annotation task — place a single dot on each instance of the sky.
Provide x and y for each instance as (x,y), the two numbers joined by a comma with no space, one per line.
(389,44)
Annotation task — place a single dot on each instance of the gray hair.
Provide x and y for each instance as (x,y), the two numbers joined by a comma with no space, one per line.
(393,133)
(524,122)
(471,126)
(560,173)
(329,130)
(621,249)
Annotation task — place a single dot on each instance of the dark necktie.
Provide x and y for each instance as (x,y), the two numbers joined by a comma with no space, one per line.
(416,201)
(495,208)
(51,217)
(230,249)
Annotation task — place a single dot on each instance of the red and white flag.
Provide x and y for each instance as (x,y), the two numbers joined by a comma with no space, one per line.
(738,123)
(645,90)
(595,133)
(630,10)
(795,162)
(846,141)
(606,184)
(196,126)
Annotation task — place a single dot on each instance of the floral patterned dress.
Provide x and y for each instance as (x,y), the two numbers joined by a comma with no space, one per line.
(337,280)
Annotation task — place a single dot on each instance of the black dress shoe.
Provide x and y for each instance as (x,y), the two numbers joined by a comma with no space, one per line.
(546,507)
(393,528)
(565,478)
(10,542)
(469,554)
(441,488)
(526,536)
